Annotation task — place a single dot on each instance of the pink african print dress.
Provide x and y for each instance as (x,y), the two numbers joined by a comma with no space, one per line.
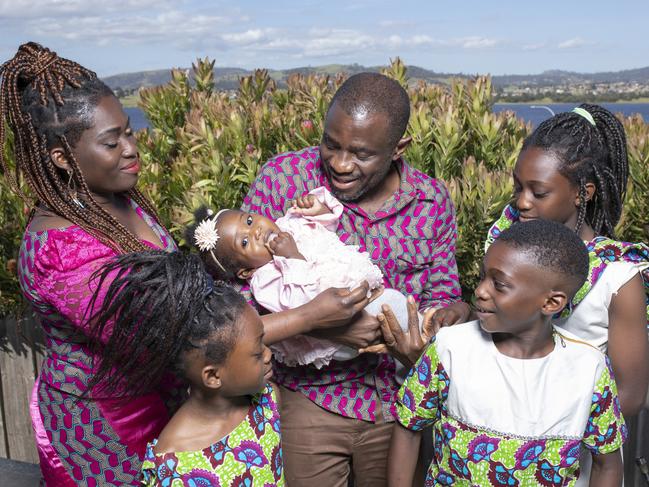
(94,440)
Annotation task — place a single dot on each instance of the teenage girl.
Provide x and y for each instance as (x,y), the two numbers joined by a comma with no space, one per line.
(573,169)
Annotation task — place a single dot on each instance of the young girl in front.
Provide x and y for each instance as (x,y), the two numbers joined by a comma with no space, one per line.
(511,397)
(573,169)
(227,432)
(288,262)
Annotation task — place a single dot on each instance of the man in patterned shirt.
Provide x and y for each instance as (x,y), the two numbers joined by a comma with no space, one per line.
(337,420)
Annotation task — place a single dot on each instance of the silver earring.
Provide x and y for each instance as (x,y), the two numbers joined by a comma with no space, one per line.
(72,190)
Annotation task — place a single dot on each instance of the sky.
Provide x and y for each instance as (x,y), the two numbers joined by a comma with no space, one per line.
(461,36)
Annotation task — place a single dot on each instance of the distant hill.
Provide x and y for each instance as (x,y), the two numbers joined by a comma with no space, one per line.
(228,78)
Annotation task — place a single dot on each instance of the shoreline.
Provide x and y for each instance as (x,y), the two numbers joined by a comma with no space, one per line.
(132,101)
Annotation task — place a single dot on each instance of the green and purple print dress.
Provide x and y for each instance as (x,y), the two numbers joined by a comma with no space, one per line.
(501,421)
(250,456)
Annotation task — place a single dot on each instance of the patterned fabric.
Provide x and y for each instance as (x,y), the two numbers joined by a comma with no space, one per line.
(466,454)
(95,440)
(412,240)
(602,251)
(251,455)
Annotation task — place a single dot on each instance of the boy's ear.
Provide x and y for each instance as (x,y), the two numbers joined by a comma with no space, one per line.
(555,301)
(401,147)
(245,274)
(211,377)
(59,159)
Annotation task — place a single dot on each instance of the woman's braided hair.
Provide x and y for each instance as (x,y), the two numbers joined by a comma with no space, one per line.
(158,306)
(49,101)
(589,153)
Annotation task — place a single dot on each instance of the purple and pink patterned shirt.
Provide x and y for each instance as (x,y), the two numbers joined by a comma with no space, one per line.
(411,238)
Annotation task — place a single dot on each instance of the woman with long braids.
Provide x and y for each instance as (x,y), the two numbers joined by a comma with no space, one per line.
(76,153)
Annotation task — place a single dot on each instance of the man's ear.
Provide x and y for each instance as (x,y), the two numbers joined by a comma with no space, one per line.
(401,147)
(245,274)
(59,159)
(555,301)
(211,377)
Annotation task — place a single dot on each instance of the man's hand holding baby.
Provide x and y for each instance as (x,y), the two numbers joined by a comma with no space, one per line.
(284,246)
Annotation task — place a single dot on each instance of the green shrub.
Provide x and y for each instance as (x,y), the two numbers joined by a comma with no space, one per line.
(205,147)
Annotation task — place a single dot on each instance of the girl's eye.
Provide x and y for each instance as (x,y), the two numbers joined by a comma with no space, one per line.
(499,286)
(249,220)
(540,195)
(244,242)
(111,145)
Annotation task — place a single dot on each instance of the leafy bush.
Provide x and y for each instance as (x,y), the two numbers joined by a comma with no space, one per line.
(205,147)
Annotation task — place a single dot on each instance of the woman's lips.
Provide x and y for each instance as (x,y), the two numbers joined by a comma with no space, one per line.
(132,168)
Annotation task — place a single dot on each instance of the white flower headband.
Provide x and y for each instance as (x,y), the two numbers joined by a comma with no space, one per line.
(206,235)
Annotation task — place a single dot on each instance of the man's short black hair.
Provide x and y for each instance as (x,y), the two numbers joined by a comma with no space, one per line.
(370,93)
(552,246)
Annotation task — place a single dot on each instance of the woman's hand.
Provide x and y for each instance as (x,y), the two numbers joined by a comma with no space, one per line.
(406,347)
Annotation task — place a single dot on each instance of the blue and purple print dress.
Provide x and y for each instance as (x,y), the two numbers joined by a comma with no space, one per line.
(250,456)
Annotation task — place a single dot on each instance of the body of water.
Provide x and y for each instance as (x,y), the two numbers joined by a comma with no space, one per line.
(536,113)
(528,112)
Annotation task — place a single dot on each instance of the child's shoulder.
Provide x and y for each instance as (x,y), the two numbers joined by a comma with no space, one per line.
(461,337)
(577,350)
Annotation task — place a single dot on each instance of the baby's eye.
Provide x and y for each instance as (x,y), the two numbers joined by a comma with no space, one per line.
(249,220)
(244,242)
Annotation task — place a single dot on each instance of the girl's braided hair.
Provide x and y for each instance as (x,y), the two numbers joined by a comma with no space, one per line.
(157,307)
(49,101)
(589,153)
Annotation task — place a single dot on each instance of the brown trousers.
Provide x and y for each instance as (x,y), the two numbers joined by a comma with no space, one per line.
(323,449)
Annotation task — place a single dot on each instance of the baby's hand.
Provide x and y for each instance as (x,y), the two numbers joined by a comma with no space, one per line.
(309,205)
(284,245)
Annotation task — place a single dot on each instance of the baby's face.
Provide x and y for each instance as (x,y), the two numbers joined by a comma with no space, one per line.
(245,236)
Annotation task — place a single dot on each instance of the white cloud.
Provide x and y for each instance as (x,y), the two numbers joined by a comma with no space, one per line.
(30,9)
(477,42)
(574,43)
(534,47)
(175,26)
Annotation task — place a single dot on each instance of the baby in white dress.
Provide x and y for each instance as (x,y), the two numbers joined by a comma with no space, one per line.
(289,262)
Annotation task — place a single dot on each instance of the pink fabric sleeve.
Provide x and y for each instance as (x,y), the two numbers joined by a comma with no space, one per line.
(284,284)
(63,267)
(328,220)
